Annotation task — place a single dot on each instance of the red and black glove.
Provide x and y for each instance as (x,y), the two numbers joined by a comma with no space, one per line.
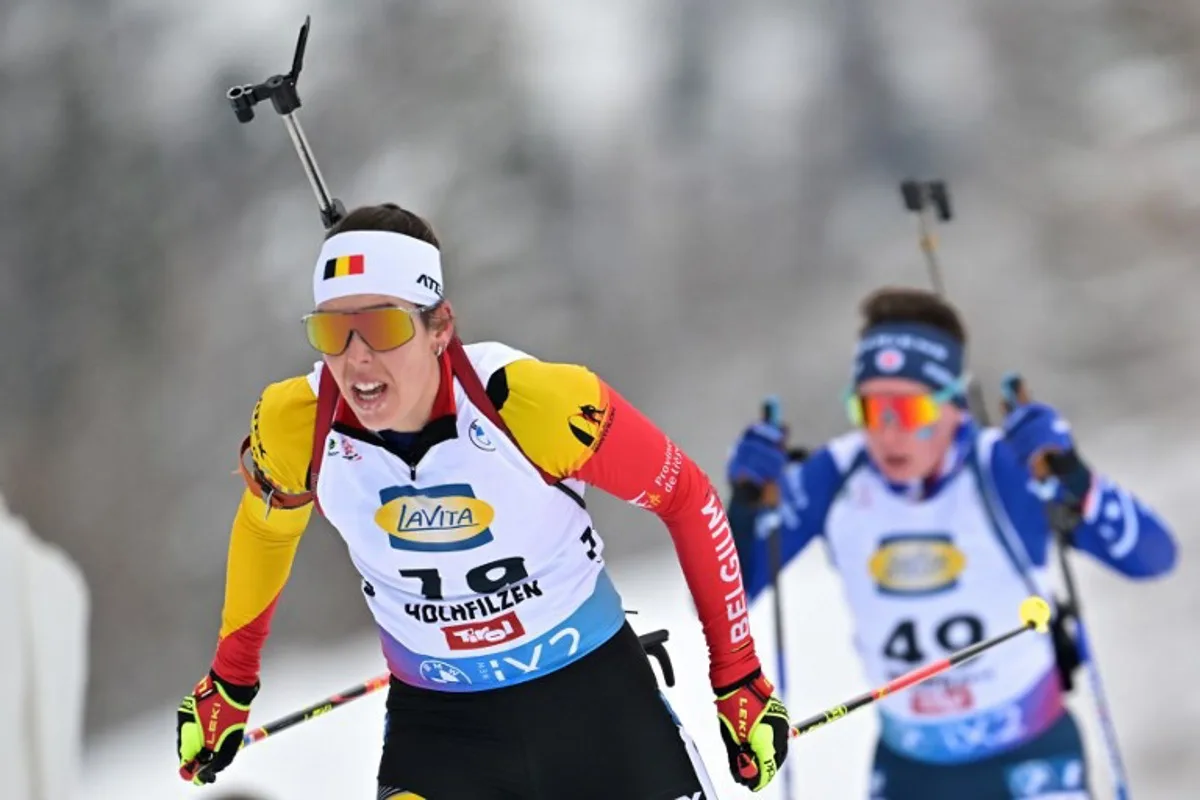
(754,728)
(210,724)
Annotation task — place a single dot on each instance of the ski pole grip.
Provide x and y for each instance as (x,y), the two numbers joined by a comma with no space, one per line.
(771,410)
(1013,391)
(654,645)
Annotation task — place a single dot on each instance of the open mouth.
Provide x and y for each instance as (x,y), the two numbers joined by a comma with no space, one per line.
(368,395)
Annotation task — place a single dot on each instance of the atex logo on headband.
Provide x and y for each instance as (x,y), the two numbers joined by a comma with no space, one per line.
(430,284)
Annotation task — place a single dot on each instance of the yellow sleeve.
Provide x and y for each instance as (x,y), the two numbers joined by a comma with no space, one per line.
(263,546)
(281,432)
(556,412)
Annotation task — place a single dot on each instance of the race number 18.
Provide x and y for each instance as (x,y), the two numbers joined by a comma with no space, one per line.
(484,579)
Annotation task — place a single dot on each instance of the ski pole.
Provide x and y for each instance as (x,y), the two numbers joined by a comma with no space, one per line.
(773,416)
(316,709)
(310,712)
(1112,748)
(1035,616)
(1015,394)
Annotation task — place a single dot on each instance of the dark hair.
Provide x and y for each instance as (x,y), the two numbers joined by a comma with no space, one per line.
(393,218)
(903,304)
(386,217)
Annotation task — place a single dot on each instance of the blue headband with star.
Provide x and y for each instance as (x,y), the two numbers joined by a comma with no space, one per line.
(911,350)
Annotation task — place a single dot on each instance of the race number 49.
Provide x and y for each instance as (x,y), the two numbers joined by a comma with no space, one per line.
(953,633)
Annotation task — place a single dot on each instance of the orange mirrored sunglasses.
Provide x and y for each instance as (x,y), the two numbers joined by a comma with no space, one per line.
(909,411)
(381,329)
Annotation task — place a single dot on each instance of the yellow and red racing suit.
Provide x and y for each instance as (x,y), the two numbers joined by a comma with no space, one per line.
(478,571)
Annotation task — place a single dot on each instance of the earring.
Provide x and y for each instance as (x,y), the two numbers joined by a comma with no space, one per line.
(437,352)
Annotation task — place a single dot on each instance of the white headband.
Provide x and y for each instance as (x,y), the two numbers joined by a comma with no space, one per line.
(378,262)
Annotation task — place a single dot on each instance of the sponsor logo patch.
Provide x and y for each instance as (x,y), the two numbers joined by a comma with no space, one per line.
(915,564)
(486,633)
(441,672)
(587,425)
(435,518)
(479,437)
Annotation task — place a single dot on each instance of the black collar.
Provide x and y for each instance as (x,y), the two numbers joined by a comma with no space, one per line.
(435,432)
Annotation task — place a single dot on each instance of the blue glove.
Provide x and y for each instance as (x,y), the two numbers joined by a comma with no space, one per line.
(1041,439)
(1033,428)
(759,455)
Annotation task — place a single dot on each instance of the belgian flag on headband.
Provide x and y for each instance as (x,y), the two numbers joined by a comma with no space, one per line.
(342,266)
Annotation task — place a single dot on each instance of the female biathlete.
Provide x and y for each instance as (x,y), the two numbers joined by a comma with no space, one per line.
(456,476)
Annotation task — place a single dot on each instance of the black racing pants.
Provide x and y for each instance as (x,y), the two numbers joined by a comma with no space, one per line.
(598,728)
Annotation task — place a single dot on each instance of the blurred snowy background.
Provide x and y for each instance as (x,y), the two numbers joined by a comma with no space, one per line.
(689,196)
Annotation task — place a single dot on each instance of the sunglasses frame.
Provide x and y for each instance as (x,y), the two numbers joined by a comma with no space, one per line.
(941,396)
(416,311)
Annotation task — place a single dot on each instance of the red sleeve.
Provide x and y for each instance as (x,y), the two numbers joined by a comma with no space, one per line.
(636,462)
(261,552)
